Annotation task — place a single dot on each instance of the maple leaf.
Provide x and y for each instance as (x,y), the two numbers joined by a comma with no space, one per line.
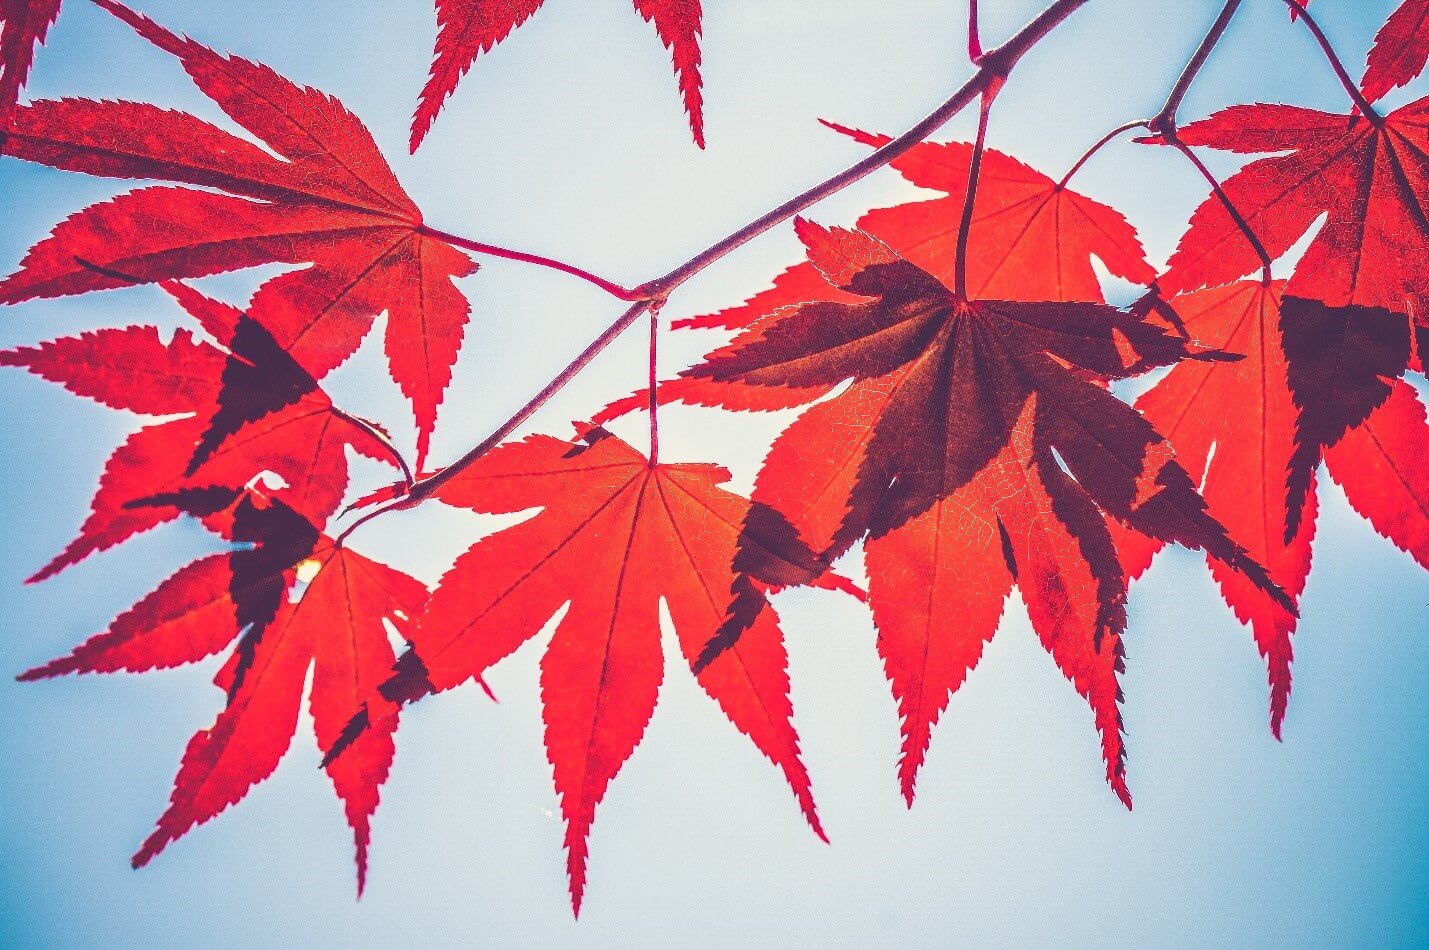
(304,443)
(1238,430)
(330,201)
(1233,427)
(1031,238)
(336,627)
(23,25)
(970,428)
(1381,465)
(468,28)
(616,534)
(1400,50)
(1370,180)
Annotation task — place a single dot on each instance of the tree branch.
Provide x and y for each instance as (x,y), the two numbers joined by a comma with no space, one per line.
(1361,103)
(493,250)
(996,64)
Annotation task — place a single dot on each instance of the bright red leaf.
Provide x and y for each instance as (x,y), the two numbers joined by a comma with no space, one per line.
(330,201)
(304,442)
(615,536)
(1031,238)
(1233,427)
(969,420)
(335,625)
(23,25)
(468,28)
(1401,48)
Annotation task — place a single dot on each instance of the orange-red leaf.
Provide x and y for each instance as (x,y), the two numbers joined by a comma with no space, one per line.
(304,442)
(468,28)
(243,596)
(1233,426)
(970,427)
(328,200)
(615,536)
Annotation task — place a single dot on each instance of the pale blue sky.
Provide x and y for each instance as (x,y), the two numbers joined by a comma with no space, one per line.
(569,141)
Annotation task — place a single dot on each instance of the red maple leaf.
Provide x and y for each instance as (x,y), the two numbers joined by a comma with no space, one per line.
(1401,48)
(304,442)
(1357,292)
(1381,465)
(1236,427)
(335,626)
(1370,179)
(330,201)
(468,28)
(23,25)
(1030,238)
(972,450)
(616,535)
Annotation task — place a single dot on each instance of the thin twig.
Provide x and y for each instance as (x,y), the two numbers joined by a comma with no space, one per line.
(1166,118)
(996,64)
(492,250)
(1226,202)
(960,257)
(974,36)
(1101,143)
(1164,121)
(653,385)
(1361,103)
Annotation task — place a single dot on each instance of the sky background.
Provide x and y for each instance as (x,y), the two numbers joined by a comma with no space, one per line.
(569,140)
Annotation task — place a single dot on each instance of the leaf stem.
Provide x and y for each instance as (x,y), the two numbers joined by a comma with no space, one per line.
(1226,202)
(1100,144)
(493,250)
(382,438)
(1356,96)
(1166,118)
(1164,121)
(996,64)
(653,387)
(960,257)
(974,36)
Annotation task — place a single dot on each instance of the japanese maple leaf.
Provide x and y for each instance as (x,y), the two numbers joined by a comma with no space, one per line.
(1234,426)
(1383,467)
(336,627)
(1401,48)
(304,443)
(1357,291)
(1370,179)
(23,25)
(468,28)
(1031,238)
(971,450)
(327,199)
(616,535)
